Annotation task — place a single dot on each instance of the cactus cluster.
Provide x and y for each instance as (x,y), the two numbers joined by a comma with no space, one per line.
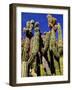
(42,54)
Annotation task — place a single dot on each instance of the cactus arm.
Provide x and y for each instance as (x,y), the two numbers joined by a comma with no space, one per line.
(46,44)
(60,41)
(35,47)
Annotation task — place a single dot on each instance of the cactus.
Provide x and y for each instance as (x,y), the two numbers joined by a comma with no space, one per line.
(60,48)
(35,46)
(53,46)
(46,39)
(60,43)
(42,54)
(25,50)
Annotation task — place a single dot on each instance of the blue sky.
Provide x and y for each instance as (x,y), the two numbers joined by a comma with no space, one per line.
(42,19)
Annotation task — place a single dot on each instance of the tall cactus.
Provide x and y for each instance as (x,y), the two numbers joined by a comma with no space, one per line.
(60,41)
(60,47)
(53,48)
(35,47)
(46,60)
(25,50)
